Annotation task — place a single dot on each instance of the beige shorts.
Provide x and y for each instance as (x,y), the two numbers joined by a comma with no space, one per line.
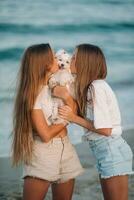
(55,161)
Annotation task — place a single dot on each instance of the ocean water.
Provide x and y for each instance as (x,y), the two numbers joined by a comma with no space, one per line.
(64,24)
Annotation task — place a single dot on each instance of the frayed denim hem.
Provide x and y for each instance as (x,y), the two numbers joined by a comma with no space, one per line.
(122,174)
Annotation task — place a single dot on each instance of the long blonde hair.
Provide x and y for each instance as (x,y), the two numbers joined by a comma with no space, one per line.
(90,65)
(36,60)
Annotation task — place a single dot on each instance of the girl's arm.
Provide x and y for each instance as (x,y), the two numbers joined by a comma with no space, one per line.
(66,112)
(62,92)
(40,125)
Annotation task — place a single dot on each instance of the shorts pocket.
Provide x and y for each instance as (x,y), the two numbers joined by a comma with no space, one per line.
(42,149)
(103,154)
(125,151)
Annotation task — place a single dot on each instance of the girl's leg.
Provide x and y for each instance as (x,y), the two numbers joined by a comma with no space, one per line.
(35,189)
(115,188)
(63,191)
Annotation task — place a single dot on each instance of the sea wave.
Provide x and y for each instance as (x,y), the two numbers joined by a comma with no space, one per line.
(11,53)
(84,27)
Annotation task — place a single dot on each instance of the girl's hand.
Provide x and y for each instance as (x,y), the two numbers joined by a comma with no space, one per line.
(65,112)
(61,92)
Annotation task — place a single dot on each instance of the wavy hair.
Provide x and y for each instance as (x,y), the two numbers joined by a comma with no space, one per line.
(36,60)
(90,65)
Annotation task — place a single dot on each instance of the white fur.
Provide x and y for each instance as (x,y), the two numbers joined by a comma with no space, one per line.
(62,77)
(63,59)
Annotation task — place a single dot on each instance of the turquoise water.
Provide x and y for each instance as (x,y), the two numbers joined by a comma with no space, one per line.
(107,23)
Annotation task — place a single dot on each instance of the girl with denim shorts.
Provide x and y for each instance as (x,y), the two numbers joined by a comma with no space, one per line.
(99,114)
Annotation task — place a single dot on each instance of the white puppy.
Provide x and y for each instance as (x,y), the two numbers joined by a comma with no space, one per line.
(62,77)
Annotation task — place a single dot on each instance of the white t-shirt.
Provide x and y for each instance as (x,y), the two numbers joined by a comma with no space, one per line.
(104,110)
(45,103)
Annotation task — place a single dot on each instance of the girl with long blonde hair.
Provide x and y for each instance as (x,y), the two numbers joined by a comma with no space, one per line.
(99,114)
(42,148)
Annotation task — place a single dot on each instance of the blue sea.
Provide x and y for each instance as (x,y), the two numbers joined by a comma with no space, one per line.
(64,24)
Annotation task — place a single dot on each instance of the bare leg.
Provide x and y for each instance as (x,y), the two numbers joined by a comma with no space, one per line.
(63,191)
(35,189)
(115,188)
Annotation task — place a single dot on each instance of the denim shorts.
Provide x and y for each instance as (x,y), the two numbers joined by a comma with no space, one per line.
(113,156)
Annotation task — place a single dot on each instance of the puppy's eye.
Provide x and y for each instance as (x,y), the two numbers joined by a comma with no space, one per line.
(60,60)
(67,62)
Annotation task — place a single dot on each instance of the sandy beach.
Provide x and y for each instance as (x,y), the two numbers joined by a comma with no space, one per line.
(87,186)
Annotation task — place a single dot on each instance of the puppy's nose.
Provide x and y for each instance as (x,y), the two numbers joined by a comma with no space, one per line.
(62,64)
